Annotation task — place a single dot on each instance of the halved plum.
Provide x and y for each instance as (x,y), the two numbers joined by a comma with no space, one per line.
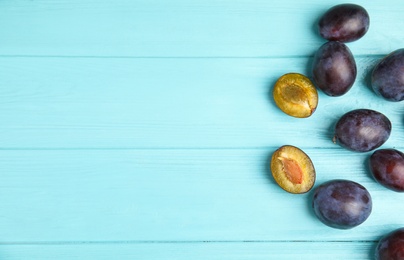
(293,169)
(295,95)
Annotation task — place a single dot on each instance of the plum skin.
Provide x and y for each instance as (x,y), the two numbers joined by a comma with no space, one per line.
(387,167)
(387,78)
(391,246)
(362,130)
(344,23)
(334,69)
(342,204)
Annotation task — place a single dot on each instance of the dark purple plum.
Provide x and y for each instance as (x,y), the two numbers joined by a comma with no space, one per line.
(391,246)
(387,167)
(388,77)
(344,23)
(362,130)
(342,204)
(334,69)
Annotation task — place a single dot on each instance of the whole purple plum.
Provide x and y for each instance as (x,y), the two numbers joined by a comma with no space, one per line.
(344,23)
(387,167)
(334,69)
(342,204)
(362,130)
(391,246)
(388,76)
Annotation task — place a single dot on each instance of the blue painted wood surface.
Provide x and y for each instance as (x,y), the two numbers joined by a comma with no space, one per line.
(143,129)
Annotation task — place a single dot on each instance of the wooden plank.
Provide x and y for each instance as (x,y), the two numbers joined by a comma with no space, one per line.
(174,195)
(231,28)
(179,251)
(51,103)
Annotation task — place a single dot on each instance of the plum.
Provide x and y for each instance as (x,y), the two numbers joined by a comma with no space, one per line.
(344,23)
(342,204)
(388,77)
(391,246)
(293,169)
(387,167)
(334,69)
(362,130)
(295,95)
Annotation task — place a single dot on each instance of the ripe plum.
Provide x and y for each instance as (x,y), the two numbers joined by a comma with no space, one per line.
(387,167)
(391,246)
(342,204)
(362,130)
(334,69)
(388,77)
(344,23)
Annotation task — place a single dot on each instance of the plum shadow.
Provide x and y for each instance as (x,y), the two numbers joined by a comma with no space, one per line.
(366,165)
(309,202)
(309,64)
(314,25)
(367,77)
(267,167)
(372,249)
(329,131)
(270,85)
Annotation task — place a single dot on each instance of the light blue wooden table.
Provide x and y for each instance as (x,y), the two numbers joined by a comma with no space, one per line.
(142,130)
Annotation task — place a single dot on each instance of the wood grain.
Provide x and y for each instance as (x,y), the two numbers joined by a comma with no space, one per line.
(180,28)
(185,251)
(174,195)
(168,103)
(142,129)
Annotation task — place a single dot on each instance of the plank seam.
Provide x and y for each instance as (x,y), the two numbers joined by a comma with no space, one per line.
(163,148)
(175,57)
(19,243)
